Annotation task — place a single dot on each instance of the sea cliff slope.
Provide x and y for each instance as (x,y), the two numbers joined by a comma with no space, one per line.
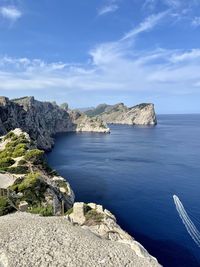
(42,120)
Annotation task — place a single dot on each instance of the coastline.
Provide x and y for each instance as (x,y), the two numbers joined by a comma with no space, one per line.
(95,219)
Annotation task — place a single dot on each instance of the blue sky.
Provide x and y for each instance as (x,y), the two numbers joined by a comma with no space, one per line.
(87,52)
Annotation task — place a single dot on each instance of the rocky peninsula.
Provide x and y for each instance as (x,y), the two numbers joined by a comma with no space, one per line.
(142,114)
(86,234)
(42,120)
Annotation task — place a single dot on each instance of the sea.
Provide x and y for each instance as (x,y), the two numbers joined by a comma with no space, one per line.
(135,172)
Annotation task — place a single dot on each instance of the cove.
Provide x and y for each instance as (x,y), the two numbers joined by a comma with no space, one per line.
(134,172)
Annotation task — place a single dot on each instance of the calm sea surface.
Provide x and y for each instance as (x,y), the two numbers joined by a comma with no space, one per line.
(134,172)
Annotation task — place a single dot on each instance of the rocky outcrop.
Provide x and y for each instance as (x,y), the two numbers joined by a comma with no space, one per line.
(42,120)
(143,114)
(83,123)
(31,182)
(103,223)
(30,240)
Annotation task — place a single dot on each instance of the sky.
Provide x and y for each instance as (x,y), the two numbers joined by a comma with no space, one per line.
(87,52)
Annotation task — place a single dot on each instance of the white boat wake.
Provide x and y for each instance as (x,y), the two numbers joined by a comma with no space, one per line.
(191,228)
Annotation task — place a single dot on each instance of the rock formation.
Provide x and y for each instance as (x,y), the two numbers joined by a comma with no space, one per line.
(103,223)
(31,240)
(42,120)
(32,184)
(142,114)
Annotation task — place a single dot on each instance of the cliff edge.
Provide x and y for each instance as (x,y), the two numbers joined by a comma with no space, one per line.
(30,240)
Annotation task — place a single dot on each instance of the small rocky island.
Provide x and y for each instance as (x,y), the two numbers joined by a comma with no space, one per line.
(32,196)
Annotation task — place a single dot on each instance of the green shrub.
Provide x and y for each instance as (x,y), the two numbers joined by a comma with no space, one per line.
(35,156)
(5,206)
(18,169)
(19,153)
(5,154)
(44,211)
(93,217)
(6,162)
(14,143)
(33,188)
(10,135)
(28,181)
(22,162)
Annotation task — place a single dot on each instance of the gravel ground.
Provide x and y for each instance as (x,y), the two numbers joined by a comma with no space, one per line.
(29,240)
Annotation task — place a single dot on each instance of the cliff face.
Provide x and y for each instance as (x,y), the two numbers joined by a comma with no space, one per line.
(42,120)
(143,114)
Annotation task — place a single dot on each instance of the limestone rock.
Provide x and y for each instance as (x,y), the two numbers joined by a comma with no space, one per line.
(78,213)
(42,120)
(142,114)
(85,124)
(23,206)
(105,226)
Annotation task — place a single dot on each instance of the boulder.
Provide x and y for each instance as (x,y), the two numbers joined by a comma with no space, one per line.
(23,206)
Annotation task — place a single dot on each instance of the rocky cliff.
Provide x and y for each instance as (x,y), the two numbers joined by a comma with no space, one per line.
(33,185)
(35,188)
(103,223)
(42,120)
(142,114)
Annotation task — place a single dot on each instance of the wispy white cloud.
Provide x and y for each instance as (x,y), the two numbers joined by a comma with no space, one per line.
(193,54)
(115,66)
(179,10)
(11,13)
(109,7)
(148,24)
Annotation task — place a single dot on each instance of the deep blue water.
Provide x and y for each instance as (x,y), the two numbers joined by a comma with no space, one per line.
(134,172)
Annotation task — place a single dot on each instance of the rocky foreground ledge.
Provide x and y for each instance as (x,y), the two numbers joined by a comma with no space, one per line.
(31,240)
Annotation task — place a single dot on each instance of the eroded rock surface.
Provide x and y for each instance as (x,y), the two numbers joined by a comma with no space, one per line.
(142,114)
(103,223)
(42,120)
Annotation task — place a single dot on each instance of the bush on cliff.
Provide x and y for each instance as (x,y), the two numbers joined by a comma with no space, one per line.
(35,156)
(18,169)
(10,135)
(6,162)
(93,217)
(19,150)
(43,211)
(29,181)
(32,187)
(5,206)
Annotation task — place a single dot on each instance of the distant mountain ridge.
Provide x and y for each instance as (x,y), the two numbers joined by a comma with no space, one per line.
(142,114)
